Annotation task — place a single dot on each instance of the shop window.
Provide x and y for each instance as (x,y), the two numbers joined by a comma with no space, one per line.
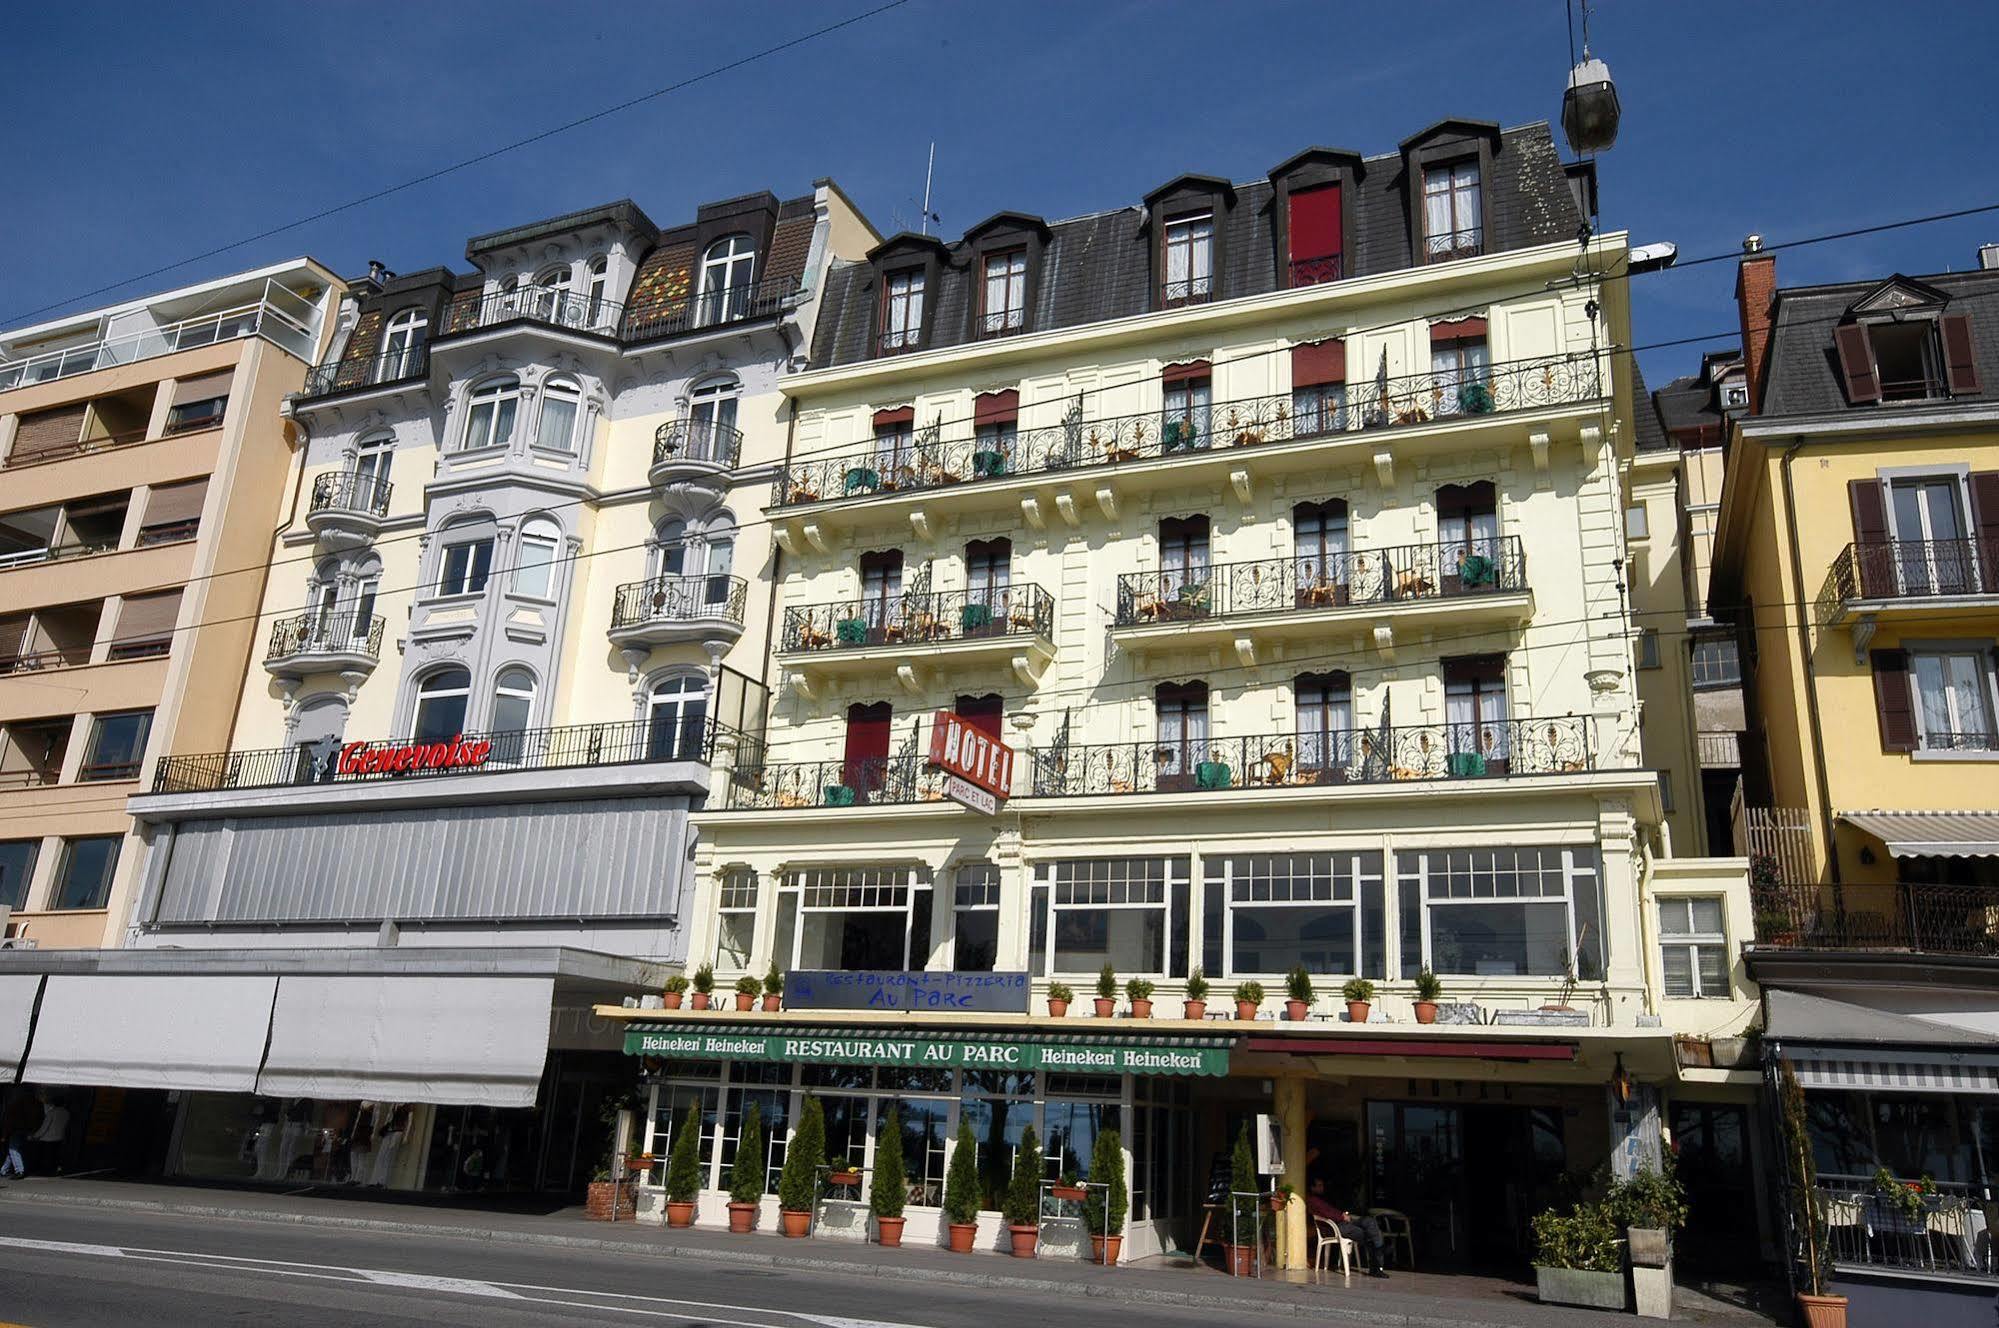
(1267,914)
(117,745)
(1130,913)
(83,875)
(768,1088)
(1501,912)
(17,870)
(999,1106)
(857,919)
(671,1101)
(1693,946)
(735,918)
(975,911)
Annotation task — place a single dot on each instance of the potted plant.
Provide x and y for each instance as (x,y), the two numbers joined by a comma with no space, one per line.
(1576,1260)
(1104,1208)
(798,1181)
(1069,1189)
(676,991)
(1357,993)
(683,1171)
(1650,1207)
(1022,1206)
(1807,1219)
(1240,1241)
(1106,1000)
(1196,1005)
(1139,992)
(704,986)
(1298,994)
(746,1177)
(607,1200)
(839,795)
(773,989)
(1428,989)
(888,1190)
(1248,996)
(1907,1197)
(747,991)
(1059,996)
(962,1191)
(1279,1199)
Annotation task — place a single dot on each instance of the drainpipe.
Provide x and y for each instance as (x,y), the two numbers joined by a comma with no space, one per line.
(1803,630)
(777,557)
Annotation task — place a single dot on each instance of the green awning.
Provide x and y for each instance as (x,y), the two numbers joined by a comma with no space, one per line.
(1102,1053)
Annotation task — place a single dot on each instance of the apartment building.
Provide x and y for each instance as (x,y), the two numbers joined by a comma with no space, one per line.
(518,581)
(1262,543)
(142,467)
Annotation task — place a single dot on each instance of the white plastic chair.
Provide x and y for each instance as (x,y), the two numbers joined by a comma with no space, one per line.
(1395,1226)
(1329,1237)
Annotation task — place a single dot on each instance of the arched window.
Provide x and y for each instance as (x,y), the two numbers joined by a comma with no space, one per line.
(551,295)
(402,345)
(371,462)
(513,714)
(596,289)
(677,715)
(711,419)
(561,402)
(725,278)
(669,541)
(440,705)
(490,420)
(718,556)
(534,568)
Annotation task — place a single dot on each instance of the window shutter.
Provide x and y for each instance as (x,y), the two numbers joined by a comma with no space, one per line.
(13,632)
(996,407)
(147,617)
(986,713)
(205,388)
(1894,704)
(1856,362)
(1457,329)
(1181,373)
(868,732)
(1315,223)
(47,431)
(888,419)
(1318,362)
(1960,366)
(171,504)
(1985,524)
(1870,511)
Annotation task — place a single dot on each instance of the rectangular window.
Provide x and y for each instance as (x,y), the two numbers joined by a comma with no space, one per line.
(1954,700)
(1185,421)
(1636,524)
(1005,293)
(736,918)
(173,512)
(1717,662)
(145,626)
(1119,911)
(1502,912)
(1318,388)
(902,311)
(187,416)
(1460,368)
(1314,235)
(975,908)
(858,918)
(1452,224)
(466,567)
(1190,260)
(83,877)
(117,744)
(1693,947)
(1476,731)
(17,869)
(34,751)
(1648,648)
(535,574)
(1283,910)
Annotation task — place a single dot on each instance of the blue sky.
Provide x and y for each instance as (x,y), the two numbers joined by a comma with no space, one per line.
(143,136)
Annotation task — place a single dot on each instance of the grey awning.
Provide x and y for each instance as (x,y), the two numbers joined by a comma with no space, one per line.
(1839,1068)
(157,1031)
(17,1013)
(1931,834)
(1801,1016)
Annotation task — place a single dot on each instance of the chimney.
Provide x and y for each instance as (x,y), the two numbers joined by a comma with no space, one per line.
(1755,292)
(1988,256)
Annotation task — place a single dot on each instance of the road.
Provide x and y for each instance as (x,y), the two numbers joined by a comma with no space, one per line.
(87,1268)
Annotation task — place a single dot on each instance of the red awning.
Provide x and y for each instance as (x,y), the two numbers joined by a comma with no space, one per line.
(1318,362)
(1180,373)
(996,407)
(1458,329)
(886,419)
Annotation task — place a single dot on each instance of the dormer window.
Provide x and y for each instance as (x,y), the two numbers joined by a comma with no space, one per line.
(595,289)
(1452,221)
(1190,260)
(1314,233)
(1898,344)
(402,344)
(726,270)
(902,310)
(1004,294)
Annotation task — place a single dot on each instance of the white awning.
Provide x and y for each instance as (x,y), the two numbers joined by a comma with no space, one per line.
(478,1041)
(1931,834)
(17,1012)
(156,1031)
(1890,1072)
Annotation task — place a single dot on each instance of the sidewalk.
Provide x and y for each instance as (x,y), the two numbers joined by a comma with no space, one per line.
(1433,1300)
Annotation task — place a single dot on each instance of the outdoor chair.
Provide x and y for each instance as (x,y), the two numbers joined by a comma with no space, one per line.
(1395,1226)
(1329,1239)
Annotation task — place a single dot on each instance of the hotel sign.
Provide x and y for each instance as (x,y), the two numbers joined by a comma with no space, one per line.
(978,769)
(860,1048)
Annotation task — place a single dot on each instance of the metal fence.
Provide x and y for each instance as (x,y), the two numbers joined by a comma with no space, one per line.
(697,440)
(950,615)
(1908,569)
(1939,1227)
(282,317)
(667,599)
(350,491)
(860,782)
(669,316)
(1336,580)
(356,372)
(569,310)
(326,634)
(1937,919)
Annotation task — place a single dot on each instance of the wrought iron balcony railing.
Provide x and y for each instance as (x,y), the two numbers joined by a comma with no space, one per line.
(670,599)
(356,372)
(350,491)
(1445,246)
(687,439)
(568,310)
(1381,403)
(910,620)
(1908,569)
(1912,1226)
(1470,750)
(672,316)
(1317,271)
(326,634)
(861,782)
(1402,574)
(1940,919)
(1193,290)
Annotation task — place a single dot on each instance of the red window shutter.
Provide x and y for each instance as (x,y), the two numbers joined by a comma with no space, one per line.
(1856,363)
(984,713)
(1960,366)
(867,732)
(1180,373)
(1985,523)
(996,407)
(1894,702)
(1457,329)
(1315,223)
(888,419)
(1318,362)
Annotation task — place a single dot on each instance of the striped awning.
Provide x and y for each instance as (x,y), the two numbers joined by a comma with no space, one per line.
(1839,1068)
(1931,834)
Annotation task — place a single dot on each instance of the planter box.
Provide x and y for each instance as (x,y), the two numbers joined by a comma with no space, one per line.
(609,1201)
(1579,1286)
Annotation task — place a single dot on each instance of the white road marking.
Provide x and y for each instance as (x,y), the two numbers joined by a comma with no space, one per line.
(655,1307)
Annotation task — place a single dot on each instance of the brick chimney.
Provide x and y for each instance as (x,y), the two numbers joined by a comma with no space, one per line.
(1755,292)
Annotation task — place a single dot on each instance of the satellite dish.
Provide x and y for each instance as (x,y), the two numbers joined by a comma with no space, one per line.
(1589,108)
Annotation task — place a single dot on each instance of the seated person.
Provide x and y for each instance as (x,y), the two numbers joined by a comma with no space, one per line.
(1364,1232)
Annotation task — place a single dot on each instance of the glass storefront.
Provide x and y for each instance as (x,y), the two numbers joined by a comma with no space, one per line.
(237,1136)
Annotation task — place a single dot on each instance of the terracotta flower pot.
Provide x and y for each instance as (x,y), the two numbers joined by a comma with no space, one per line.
(742,1217)
(772,1003)
(1024,1240)
(679,1214)
(745,1002)
(672,1000)
(701,1001)
(1356,1012)
(1106,1006)
(1245,1009)
(1296,1011)
(1194,1010)
(1072,1193)
(889,1230)
(961,1236)
(1106,1249)
(1822,1311)
(1141,1009)
(1426,1012)
(1241,1260)
(1057,1008)
(794,1223)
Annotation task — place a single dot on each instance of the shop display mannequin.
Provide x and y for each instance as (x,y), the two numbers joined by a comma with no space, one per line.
(389,1142)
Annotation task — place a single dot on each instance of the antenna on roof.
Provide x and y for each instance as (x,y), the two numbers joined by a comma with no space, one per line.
(929,169)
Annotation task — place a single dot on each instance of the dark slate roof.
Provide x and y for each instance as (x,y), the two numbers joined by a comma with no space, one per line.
(1651,436)
(1099,267)
(624,212)
(1803,377)
(1687,403)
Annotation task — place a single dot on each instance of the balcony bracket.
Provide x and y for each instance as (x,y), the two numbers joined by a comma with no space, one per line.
(1028,667)
(1384,640)
(1592,436)
(804,684)
(919,524)
(1065,503)
(1245,651)
(1384,470)
(1863,637)
(1107,501)
(1030,510)
(353,678)
(817,537)
(787,536)
(1239,481)
(1539,442)
(912,682)
(635,659)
